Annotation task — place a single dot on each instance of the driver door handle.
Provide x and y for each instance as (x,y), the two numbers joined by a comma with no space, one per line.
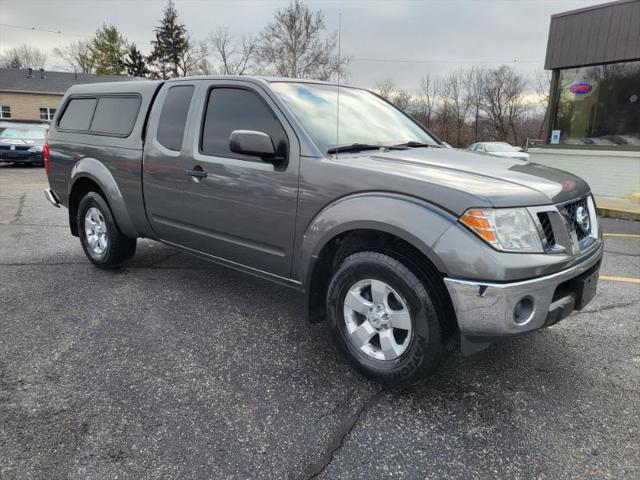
(197,172)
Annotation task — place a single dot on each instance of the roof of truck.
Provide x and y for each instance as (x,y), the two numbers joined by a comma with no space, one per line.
(257,78)
(146,85)
(132,86)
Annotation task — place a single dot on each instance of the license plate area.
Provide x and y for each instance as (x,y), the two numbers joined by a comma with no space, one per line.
(586,288)
(582,288)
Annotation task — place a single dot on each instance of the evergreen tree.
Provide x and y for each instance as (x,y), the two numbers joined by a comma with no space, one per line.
(135,62)
(109,49)
(170,45)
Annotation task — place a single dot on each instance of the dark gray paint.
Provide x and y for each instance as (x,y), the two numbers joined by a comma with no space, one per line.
(600,34)
(274,220)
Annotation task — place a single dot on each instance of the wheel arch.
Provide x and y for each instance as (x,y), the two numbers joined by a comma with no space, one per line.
(90,174)
(404,227)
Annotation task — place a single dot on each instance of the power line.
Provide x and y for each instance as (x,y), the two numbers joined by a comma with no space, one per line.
(34,29)
(58,32)
(353,59)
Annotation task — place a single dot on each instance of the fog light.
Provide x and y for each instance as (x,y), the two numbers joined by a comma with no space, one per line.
(523,311)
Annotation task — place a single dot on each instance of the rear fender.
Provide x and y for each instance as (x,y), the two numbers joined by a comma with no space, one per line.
(100,174)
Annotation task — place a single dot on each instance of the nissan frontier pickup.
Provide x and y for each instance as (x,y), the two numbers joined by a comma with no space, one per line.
(405,249)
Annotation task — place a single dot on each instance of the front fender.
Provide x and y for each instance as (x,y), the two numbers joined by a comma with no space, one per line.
(413,220)
(95,170)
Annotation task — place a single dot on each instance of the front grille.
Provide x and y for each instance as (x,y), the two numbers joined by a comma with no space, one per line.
(568,211)
(547,229)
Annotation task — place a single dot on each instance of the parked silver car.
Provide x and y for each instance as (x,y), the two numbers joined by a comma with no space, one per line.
(499,149)
(403,247)
(22,142)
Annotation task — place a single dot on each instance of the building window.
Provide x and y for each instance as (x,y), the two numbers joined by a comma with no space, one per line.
(600,105)
(47,114)
(5,112)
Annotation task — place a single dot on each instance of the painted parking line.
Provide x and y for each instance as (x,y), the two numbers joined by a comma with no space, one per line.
(627,235)
(613,278)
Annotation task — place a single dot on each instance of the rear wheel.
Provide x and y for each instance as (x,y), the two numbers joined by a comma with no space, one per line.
(383,319)
(103,243)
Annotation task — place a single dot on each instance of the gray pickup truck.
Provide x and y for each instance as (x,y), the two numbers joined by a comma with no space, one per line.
(405,248)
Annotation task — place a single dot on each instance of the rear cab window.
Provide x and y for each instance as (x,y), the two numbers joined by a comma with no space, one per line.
(115,115)
(78,114)
(109,115)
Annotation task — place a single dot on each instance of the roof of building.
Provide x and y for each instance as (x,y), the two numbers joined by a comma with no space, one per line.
(598,34)
(39,81)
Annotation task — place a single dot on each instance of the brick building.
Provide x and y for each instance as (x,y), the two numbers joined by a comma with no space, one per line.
(28,95)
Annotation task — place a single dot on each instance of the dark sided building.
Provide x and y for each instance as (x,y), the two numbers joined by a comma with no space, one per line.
(594,54)
(594,104)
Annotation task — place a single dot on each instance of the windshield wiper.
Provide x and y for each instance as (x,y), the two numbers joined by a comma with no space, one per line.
(357,147)
(414,144)
(354,147)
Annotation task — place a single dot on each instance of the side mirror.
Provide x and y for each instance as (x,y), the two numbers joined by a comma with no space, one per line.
(250,142)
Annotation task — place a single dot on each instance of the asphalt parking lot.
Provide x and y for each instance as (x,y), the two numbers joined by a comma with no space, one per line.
(176,368)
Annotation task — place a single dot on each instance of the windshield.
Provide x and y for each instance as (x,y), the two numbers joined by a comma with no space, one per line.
(364,117)
(500,147)
(23,133)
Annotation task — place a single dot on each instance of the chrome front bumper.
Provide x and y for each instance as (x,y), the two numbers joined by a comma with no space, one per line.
(488,310)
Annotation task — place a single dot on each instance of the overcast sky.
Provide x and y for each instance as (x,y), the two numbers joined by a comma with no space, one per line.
(435,36)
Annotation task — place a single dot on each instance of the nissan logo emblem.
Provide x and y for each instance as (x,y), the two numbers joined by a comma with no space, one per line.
(582,219)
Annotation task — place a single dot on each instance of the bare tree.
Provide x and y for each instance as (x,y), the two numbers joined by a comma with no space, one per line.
(236,57)
(193,60)
(78,56)
(476,80)
(457,101)
(542,88)
(385,88)
(503,101)
(426,99)
(294,45)
(23,56)
(402,99)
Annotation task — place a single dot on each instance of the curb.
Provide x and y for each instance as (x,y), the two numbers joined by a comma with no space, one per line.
(618,213)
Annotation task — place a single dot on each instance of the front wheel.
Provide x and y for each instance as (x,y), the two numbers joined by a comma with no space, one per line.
(383,319)
(102,241)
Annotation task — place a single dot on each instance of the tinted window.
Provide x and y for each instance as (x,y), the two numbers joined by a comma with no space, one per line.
(174,116)
(600,105)
(115,115)
(77,115)
(230,109)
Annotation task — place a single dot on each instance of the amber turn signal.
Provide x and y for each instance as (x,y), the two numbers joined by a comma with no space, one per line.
(477,221)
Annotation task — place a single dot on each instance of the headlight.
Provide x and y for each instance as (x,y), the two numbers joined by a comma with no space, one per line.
(35,149)
(507,229)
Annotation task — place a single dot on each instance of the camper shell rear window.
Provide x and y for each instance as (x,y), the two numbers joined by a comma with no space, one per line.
(108,115)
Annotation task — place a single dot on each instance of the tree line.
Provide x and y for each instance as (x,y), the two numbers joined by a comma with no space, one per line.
(467,105)
(476,104)
(295,43)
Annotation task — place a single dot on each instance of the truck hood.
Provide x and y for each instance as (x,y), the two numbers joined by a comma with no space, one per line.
(502,182)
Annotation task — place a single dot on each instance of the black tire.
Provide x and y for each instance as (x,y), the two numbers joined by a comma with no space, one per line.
(425,348)
(119,248)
